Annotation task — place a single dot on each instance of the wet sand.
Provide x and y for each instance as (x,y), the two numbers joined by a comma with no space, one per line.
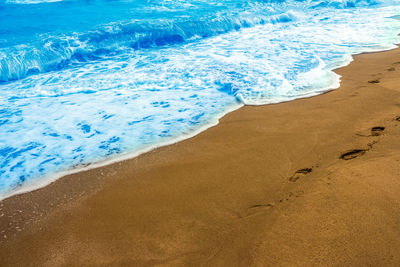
(311,182)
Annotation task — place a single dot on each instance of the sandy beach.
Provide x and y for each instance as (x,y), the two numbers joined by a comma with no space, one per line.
(311,182)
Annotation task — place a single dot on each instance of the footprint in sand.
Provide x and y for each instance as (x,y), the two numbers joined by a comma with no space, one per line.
(299,173)
(397,118)
(256,209)
(374,81)
(376,131)
(352,154)
(391,69)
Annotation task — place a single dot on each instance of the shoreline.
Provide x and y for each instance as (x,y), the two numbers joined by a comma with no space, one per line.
(252,156)
(51,178)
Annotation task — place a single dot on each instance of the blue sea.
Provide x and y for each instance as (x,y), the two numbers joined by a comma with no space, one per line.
(98,80)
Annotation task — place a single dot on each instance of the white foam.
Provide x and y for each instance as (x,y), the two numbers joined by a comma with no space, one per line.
(143,99)
(36,184)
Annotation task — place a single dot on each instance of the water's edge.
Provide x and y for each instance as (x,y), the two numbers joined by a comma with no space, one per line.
(46,180)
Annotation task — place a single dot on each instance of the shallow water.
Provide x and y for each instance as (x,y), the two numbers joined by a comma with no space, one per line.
(86,81)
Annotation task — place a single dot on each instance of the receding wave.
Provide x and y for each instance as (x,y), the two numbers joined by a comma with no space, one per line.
(103,79)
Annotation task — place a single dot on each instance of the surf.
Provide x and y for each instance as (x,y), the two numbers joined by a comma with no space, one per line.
(120,77)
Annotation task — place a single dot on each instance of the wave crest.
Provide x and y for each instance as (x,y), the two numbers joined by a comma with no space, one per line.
(57,52)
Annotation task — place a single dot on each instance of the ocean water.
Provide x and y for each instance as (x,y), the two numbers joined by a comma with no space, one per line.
(95,80)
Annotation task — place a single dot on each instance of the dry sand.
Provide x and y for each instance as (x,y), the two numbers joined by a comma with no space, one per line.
(266,187)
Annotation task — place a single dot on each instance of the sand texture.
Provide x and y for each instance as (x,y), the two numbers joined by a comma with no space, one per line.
(311,182)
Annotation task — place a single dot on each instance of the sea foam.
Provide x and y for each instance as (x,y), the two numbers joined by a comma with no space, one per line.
(96,88)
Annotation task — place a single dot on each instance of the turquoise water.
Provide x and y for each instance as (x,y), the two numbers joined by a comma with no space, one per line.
(89,81)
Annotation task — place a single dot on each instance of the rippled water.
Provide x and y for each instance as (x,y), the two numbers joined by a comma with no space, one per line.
(87,81)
